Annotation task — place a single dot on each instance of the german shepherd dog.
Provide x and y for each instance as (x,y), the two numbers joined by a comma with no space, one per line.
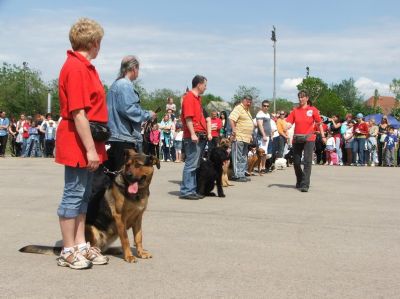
(225,143)
(255,160)
(121,207)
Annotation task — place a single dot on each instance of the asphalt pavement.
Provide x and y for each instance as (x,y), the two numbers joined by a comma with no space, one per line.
(264,240)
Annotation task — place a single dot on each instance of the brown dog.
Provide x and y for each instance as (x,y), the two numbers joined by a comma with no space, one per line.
(120,208)
(255,160)
(225,143)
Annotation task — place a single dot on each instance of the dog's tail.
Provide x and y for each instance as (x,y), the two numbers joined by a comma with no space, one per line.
(39,249)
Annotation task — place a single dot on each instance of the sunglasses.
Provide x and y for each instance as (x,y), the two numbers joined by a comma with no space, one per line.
(265,105)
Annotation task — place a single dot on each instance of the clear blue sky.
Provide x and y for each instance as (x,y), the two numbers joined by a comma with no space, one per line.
(227,41)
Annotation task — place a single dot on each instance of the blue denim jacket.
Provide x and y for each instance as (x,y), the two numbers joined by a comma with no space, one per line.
(125,115)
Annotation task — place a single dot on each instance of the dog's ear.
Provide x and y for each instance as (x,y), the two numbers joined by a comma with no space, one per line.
(128,154)
(151,160)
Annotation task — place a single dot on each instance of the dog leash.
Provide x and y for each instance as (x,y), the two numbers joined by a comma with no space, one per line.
(108,171)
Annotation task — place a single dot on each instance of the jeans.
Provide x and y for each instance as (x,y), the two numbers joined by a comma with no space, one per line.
(389,155)
(338,141)
(77,191)
(303,175)
(192,161)
(359,148)
(239,158)
(372,150)
(281,146)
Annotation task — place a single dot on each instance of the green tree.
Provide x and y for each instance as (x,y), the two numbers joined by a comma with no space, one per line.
(314,86)
(330,104)
(395,88)
(348,92)
(243,91)
(283,104)
(158,99)
(207,98)
(396,112)
(22,90)
(364,109)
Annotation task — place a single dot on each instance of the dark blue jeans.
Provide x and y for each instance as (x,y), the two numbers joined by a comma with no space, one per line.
(358,149)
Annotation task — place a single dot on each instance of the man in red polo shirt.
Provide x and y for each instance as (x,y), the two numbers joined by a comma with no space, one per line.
(194,136)
(304,117)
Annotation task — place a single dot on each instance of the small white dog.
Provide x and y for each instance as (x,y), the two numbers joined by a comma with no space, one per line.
(280,163)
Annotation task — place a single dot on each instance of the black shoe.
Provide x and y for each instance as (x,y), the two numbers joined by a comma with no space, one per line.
(191,196)
(248,179)
(304,189)
(297,185)
(240,179)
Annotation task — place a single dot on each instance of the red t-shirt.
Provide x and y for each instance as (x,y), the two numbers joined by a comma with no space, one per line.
(191,107)
(361,129)
(79,87)
(304,120)
(216,125)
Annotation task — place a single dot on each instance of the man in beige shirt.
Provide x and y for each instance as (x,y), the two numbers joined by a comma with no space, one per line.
(242,130)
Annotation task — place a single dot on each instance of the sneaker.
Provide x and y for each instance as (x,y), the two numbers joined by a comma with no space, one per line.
(168,160)
(193,196)
(331,164)
(94,255)
(372,164)
(73,259)
(248,179)
(243,180)
(341,164)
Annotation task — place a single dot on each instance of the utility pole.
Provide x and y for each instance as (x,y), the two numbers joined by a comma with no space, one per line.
(25,64)
(273,38)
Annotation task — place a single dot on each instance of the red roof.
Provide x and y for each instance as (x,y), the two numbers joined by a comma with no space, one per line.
(386,103)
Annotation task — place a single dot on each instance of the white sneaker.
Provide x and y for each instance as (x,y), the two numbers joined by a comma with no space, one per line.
(73,259)
(372,164)
(168,160)
(341,163)
(331,164)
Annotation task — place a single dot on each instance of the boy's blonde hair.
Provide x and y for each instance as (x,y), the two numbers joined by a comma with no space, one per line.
(84,34)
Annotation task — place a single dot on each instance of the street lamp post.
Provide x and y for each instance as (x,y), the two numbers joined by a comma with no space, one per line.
(25,64)
(273,38)
(48,101)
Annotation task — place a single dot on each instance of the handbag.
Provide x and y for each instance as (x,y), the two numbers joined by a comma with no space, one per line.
(300,138)
(100,131)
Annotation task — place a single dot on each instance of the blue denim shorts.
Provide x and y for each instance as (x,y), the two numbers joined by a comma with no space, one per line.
(77,191)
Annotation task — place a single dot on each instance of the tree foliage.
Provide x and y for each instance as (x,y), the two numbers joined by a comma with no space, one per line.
(395,88)
(283,104)
(314,86)
(348,92)
(22,90)
(329,103)
(243,91)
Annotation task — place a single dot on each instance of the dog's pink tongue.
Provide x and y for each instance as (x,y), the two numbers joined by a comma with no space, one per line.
(133,188)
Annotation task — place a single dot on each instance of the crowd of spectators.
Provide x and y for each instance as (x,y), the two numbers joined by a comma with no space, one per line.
(351,141)
(28,136)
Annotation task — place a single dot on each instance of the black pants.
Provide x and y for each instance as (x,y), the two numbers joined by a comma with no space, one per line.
(49,148)
(303,175)
(154,149)
(320,149)
(3,144)
(116,154)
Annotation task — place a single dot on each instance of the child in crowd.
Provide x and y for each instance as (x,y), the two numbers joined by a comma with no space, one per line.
(389,146)
(170,105)
(49,139)
(330,149)
(155,141)
(178,137)
(348,142)
(33,144)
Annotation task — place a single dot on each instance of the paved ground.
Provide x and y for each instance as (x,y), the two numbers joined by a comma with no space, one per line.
(264,240)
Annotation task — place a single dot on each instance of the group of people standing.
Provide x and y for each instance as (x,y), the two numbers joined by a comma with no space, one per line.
(357,142)
(28,136)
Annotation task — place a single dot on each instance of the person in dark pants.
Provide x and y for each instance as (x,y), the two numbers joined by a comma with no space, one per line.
(304,117)
(4,123)
(125,114)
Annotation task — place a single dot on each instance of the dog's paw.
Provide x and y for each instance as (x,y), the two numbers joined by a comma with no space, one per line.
(144,254)
(130,259)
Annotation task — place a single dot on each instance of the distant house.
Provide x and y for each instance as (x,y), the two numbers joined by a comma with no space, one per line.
(386,103)
(218,106)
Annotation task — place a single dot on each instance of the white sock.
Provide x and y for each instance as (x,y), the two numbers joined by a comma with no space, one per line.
(67,249)
(82,246)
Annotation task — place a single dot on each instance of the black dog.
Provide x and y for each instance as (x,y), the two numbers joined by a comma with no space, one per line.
(209,173)
(289,157)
